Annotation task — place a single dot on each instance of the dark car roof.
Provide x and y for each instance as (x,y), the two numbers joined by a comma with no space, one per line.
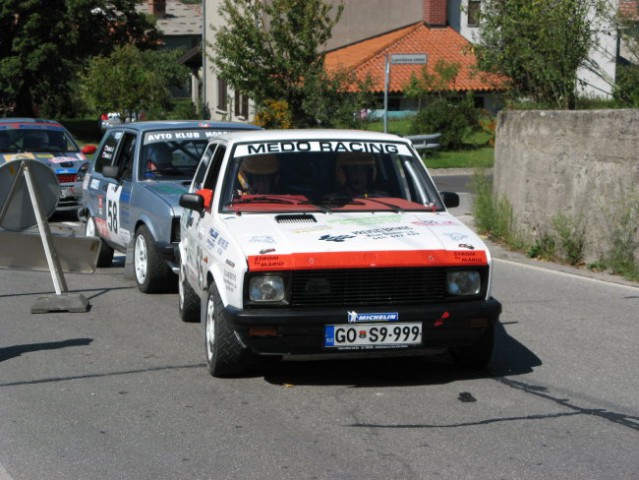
(17,122)
(186,124)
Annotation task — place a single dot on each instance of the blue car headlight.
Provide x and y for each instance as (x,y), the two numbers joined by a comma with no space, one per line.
(463,282)
(266,288)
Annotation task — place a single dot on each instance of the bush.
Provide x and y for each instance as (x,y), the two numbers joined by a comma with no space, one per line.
(452,120)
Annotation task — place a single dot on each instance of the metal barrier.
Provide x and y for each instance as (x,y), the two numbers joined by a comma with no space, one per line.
(425,142)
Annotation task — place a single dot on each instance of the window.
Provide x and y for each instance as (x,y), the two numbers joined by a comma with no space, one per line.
(241,105)
(474,8)
(105,156)
(222,95)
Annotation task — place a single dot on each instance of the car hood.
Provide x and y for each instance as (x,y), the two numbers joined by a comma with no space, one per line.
(353,240)
(167,191)
(59,162)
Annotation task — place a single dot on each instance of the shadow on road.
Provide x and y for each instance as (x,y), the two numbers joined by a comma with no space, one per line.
(16,350)
(511,357)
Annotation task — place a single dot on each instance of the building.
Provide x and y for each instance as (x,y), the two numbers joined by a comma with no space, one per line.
(180,26)
(369,30)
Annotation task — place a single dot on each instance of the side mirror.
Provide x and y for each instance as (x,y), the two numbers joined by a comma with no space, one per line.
(451,199)
(89,149)
(110,171)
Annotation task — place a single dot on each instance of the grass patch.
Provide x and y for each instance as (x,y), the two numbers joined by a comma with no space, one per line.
(475,154)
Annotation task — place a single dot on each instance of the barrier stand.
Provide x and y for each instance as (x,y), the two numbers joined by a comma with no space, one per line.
(62,300)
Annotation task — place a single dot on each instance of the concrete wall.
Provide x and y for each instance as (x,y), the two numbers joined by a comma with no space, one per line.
(580,163)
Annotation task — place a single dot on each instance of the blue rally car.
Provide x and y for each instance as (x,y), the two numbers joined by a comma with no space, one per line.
(50,143)
(131,193)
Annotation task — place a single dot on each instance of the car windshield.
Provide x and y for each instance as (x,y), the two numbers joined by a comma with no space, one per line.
(173,155)
(340,175)
(34,139)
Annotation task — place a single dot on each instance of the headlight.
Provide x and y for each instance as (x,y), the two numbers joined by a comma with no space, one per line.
(266,288)
(463,282)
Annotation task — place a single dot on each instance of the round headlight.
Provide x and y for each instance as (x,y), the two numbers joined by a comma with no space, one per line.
(267,288)
(463,282)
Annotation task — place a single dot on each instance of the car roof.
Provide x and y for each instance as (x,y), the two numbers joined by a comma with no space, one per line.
(28,121)
(309,134)
(185,124)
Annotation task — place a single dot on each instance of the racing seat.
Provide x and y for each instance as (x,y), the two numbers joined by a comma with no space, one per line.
(159,157)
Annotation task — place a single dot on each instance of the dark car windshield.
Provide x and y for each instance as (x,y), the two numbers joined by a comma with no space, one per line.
(36,139)
(173,155)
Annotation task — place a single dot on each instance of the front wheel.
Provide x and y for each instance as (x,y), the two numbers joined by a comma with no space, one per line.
(224,353)
(105,253)
(152,274)
(188,301)
(477,355)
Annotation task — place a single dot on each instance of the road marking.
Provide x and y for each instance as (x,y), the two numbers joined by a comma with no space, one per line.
(568,274)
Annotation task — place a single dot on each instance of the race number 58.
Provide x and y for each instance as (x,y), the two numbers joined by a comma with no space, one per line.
(112,216)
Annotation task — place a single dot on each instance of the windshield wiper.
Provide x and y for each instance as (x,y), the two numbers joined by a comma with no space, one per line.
(260,199)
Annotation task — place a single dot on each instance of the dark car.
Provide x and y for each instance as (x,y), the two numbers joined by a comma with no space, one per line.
(131,193)
(49,142)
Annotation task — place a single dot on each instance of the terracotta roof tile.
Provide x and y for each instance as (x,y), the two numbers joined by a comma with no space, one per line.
(369,56)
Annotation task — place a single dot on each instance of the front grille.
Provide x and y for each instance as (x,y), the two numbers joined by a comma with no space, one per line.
(67,177)
(368,287)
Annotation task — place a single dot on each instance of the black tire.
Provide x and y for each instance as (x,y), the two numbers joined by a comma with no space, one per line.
(152,274)
(224,354)
(188,301)
(105,254)
(477,355)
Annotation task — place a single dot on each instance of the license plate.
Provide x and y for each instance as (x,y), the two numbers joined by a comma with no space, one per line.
(375,335)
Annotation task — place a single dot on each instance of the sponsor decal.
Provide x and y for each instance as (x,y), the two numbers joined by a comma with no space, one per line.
(311,229)
(326,146)
(156,137)
(262,239)
(335,238)
(435,223)
(457,237)
(473,257)
(229,263)
(365,259)
(386,232)
(466,245)
(354,317)
(230,281)
(266,262)
(266,250)
(63,159)
(368,220)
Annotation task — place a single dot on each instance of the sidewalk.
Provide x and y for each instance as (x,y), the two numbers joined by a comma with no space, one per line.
(465,213)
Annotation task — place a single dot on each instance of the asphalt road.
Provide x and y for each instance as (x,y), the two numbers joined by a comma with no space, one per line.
(121,392)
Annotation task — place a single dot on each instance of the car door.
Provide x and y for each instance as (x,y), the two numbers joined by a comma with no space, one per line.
(120,192)
(205,178)
(107,197)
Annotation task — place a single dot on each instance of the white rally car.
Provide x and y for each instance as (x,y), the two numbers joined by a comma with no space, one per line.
(328,243)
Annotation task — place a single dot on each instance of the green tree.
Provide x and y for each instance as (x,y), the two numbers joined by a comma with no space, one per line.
(627,78)
(130,80)
(44,43)
(270,50)
(539,46)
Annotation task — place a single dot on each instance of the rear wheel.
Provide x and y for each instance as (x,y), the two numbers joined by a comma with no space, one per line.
(476,355)
(152,273)
(105,254)
(224,353)
(188,301)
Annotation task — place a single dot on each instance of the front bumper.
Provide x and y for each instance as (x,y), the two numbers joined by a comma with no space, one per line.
(301,331)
